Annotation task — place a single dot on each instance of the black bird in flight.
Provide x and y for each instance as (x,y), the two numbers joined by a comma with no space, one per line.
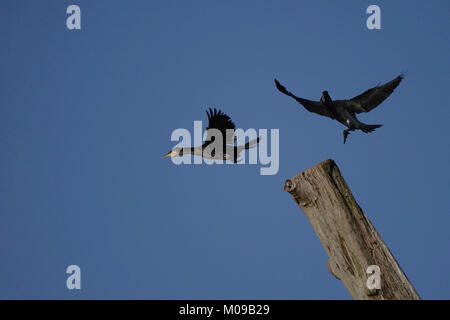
(227,150)
(345,111)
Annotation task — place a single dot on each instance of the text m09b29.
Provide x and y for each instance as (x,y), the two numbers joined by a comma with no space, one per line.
(246,309)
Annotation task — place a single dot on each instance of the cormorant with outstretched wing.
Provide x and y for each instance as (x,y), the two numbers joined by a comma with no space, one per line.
(345,111)
(218,124)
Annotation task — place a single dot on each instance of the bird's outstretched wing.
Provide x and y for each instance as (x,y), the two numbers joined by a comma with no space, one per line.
(220,121)
(371,98)
(312,106)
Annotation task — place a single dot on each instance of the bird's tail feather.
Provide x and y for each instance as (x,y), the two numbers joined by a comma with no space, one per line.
(238,149)
(370,127)
(252,143)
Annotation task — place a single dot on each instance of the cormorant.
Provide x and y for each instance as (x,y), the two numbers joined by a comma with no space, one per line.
(223,123)
(345,111)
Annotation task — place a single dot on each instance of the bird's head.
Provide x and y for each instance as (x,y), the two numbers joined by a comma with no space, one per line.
(325,97)
(174,152)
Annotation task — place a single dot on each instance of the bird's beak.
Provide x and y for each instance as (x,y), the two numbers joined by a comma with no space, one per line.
(168,155)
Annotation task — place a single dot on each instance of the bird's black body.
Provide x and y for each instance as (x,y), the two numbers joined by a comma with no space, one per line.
(345,111)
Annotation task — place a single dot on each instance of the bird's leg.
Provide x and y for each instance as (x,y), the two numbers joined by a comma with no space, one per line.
(346,133)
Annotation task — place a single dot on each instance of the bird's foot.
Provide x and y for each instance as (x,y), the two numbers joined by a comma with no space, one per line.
(346,133)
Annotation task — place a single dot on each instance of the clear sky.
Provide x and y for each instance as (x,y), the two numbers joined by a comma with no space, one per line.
(86,115)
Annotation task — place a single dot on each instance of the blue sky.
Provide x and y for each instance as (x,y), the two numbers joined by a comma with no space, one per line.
(86,115)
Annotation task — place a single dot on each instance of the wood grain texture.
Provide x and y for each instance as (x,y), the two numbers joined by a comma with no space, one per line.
(347,235)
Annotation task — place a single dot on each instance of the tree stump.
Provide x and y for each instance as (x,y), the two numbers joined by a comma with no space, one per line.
(347,235)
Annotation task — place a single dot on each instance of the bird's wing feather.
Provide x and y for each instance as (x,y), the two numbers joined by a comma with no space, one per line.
(220,121)
(311,106)
(373,97)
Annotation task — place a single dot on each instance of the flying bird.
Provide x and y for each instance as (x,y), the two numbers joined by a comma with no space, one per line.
(345,111)
(218,123)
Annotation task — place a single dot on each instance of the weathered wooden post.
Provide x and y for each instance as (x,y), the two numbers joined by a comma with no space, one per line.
(348,237)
